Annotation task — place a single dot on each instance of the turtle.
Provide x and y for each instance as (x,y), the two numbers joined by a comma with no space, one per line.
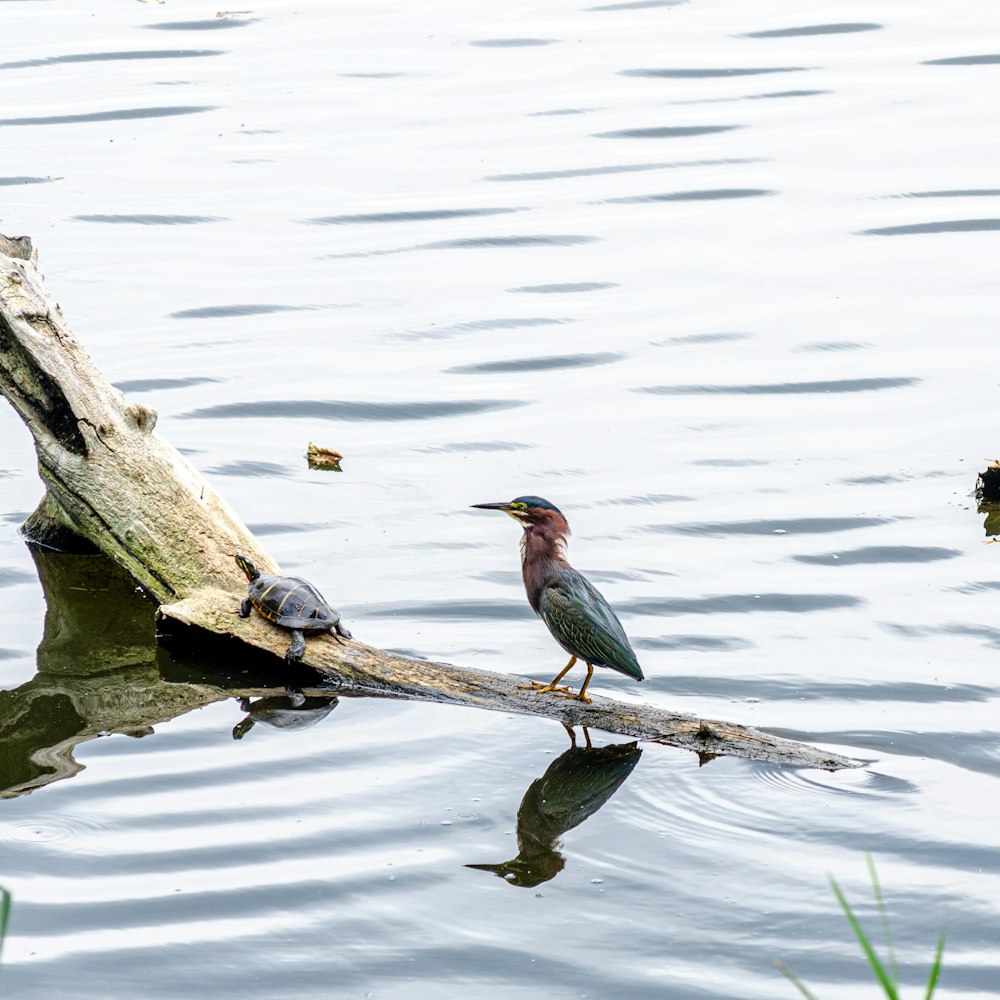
(291,603)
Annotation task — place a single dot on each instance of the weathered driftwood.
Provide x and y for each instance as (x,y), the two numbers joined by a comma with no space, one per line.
(107,476)
(101,671)
(111,480)
(354,667)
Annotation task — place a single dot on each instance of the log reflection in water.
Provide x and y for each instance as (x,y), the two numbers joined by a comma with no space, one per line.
(100,671)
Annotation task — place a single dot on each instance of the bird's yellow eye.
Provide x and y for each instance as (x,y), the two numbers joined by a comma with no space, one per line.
(517,505)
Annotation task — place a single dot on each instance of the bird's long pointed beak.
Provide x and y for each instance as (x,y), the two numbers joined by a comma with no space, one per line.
(491,506)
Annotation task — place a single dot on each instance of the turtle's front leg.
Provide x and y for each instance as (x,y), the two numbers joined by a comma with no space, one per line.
(297,647)
(245,608)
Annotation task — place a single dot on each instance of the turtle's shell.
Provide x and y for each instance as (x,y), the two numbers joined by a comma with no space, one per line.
(291,603)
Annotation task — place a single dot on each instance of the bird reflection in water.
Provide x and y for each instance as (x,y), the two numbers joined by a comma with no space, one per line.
(575,785)
(289,711)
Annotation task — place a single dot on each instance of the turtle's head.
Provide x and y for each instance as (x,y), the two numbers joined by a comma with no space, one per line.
(247,566)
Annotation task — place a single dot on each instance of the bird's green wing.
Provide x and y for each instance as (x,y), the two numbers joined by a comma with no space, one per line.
(582,622)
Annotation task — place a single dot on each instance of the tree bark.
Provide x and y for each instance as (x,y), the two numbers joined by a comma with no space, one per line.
(110,480)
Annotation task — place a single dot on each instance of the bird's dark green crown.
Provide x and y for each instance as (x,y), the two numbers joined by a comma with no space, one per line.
(530,503)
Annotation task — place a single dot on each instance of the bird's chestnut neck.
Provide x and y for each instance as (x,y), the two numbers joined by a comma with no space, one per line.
(549,527)
(543,552)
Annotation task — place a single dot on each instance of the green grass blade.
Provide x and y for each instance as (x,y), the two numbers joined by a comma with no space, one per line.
(5,898)
(935,969)
(866,946)
(794,980)
(884,914)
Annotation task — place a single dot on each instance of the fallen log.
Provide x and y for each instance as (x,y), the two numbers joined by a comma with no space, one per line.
(110,480)
(354,668)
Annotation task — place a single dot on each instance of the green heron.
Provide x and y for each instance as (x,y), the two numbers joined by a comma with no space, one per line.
(577,615)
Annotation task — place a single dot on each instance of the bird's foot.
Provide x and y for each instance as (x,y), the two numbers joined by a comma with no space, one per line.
(582,696)
(539,688)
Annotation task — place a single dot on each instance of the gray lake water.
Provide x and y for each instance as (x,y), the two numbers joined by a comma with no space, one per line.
(718,279)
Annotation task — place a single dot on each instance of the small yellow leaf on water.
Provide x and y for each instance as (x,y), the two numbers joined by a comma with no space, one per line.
(323,458)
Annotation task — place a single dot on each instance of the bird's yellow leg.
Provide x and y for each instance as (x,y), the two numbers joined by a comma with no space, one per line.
(553,686)
(582,696)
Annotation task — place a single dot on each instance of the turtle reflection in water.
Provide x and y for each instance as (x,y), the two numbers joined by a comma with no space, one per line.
(291,711)
(575,786)
(291,603)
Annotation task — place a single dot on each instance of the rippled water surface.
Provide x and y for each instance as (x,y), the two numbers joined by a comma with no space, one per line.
(720,280)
